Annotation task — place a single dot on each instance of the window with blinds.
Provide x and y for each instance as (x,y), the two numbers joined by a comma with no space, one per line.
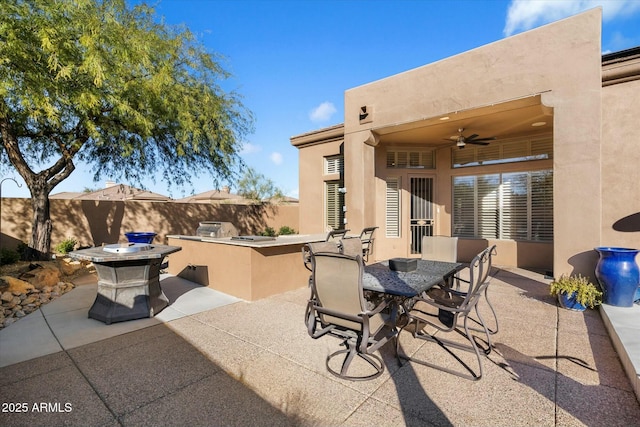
(334,205)
(408,159)
(333,164)
(392,222)
(519,150)
(514,206)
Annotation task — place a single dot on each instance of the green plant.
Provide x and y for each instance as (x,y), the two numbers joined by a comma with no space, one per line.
(66,246)
(586,292)
(285,230)
(8,256)
(269,231)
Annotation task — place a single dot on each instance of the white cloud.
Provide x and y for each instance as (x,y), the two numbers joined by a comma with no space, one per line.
(322,112)
(526,14)
(249,148)
(276,158)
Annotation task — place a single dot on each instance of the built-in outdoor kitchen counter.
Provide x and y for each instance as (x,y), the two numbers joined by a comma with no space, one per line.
(247,267)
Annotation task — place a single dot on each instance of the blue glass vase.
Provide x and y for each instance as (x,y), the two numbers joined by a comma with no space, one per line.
(618,275)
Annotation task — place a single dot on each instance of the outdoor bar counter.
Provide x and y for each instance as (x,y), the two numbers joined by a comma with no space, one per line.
(247,267)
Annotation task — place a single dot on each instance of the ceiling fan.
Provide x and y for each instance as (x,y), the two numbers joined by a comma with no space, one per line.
(461,140)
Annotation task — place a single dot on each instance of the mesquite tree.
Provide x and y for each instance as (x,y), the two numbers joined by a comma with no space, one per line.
(99,82)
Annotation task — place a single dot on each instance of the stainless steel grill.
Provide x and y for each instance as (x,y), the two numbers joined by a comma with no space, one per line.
(216,229)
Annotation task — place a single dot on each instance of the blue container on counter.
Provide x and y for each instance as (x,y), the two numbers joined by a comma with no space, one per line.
(140,236)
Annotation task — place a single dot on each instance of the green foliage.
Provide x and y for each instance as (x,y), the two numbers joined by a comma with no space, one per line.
(8,256)
(269,231)
(111,85)
(587,293)
(285,230)
(257,187)
(66,246)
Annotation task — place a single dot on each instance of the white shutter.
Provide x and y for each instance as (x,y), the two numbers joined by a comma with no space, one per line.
(514,206)
(334,203)
(392,222)
(464,206)
(333,165)
(488,187)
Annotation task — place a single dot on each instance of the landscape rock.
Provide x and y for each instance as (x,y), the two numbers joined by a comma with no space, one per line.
(42,276)
(12,284)
(34,286)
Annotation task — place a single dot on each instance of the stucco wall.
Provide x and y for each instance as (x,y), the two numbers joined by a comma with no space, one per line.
(560,61)
(312,185)
(95,222)
(621,165)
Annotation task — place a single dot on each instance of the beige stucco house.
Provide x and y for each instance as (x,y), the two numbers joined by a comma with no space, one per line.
(561,172)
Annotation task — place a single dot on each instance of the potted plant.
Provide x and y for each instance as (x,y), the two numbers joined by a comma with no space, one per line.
(575,292)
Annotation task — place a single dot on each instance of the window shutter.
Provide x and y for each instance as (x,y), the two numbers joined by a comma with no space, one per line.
(333,165)
(392,223)
(514,206)
(464,206)
(488,216)
(335,202)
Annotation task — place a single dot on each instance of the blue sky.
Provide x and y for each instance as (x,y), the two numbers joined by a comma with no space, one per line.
(293,60)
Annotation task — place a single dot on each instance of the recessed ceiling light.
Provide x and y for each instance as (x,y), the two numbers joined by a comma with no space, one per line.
(536,124)
(444,118)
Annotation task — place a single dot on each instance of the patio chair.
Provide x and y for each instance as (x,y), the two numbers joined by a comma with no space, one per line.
(489,252)
(337,307)
(442,309)
(440,248)
(351,246)
(336,234)
(366,236)
(315,247)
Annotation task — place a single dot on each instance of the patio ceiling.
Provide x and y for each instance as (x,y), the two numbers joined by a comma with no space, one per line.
(506,120)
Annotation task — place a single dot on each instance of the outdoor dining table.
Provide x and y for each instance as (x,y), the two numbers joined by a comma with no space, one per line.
(380,278)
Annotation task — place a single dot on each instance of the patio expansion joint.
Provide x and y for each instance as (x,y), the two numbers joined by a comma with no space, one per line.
(177,390)
(81,372)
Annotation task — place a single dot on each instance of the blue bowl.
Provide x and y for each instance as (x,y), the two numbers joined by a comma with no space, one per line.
(140,237)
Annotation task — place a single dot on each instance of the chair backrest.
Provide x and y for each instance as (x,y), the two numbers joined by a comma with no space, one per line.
(336,234)
(351,246)
(478,272)
(366,235)
(337,284)
(440,248)
(314,247)
(488,261)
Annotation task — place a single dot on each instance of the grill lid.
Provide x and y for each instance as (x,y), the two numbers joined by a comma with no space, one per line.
(127,248)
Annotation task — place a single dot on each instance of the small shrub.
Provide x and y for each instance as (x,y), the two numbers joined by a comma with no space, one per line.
(66,245)
(8,256)
(269,231)
(586,292)
(285,230)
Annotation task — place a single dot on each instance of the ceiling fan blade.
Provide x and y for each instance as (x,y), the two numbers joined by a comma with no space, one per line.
(471,137)
(478,142)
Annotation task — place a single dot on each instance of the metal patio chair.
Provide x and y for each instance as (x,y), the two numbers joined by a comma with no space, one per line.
(337,307)
(336,234)
(489,252)
(442,309)
(366,236)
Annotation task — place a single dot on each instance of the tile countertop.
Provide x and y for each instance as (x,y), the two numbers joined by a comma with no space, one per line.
(98,254)
(292,239)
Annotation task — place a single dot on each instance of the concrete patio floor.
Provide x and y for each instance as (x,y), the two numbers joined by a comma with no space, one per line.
(212,360)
